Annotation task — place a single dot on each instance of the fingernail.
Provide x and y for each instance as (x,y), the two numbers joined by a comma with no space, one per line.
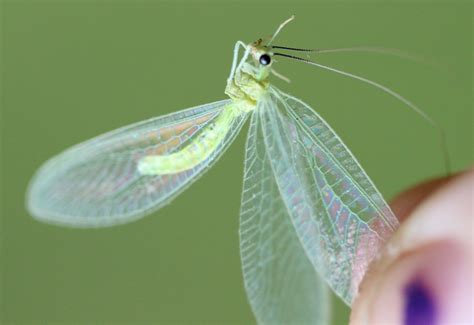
(420,304)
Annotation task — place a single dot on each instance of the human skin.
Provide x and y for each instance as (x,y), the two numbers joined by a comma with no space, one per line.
(425,272)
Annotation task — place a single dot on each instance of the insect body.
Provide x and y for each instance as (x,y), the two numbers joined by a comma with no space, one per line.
(245,88)
(309,217)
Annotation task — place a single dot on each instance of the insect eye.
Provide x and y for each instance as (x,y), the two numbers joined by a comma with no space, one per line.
(265,59)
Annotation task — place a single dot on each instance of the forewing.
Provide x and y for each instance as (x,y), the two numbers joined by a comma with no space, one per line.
(96,183)
(282,285)
(340,217)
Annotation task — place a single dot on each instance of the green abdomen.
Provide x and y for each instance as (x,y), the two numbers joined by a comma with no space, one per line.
(195,152)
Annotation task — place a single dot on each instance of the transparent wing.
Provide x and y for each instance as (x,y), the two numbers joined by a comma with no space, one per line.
(340,217)
(282,285)
(97,183)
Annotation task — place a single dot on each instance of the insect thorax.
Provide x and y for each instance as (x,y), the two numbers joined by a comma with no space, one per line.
(247,85)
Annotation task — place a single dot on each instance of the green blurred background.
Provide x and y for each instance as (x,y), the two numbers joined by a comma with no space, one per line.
(74,69)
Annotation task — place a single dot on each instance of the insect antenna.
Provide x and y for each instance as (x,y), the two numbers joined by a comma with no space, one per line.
(369,49)
(412,106)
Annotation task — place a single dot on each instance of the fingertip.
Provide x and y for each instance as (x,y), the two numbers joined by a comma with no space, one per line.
(404,203)
(425,271)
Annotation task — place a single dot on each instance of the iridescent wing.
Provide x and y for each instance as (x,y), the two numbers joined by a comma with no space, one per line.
(340,217)
(282,285)
(97,183)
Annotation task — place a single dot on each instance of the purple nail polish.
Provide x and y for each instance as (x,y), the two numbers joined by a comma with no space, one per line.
(420,307)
